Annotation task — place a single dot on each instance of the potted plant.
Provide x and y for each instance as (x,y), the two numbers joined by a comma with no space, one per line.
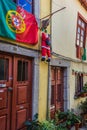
(34,124)
(83,106)
(77,121)
(60,116)
(68,124)
(84,90)
(48,125)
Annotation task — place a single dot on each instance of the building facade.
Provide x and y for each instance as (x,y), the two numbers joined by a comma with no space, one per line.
(23,76)
(69,57)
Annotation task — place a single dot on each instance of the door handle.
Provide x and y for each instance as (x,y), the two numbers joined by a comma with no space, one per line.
(10,88)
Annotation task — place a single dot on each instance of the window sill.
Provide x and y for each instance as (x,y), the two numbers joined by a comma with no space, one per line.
(80,95)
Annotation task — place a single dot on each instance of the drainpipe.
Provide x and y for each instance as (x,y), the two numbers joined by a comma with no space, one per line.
(48,92)
(49,74)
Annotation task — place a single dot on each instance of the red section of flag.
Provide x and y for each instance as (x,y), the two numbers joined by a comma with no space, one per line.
(30,35)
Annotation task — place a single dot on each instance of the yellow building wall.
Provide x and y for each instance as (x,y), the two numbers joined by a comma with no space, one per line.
(29,46)
(43,72)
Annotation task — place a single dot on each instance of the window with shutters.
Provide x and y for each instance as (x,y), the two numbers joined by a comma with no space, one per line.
(81,38)
(26,4)
(78,83)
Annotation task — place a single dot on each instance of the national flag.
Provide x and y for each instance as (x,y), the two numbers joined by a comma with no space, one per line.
(84,54)
(17,24)
(26,4)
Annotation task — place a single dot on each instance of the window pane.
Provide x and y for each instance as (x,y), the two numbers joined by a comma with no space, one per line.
(22,71)
(78,36)
(19,71)
(79,21)
(78,42)
(81,44)
(82,38)
(78,29)
(25,71)
(6,69)
(82,32)
(3,69)
(83,25)
(78,83)
(52,95)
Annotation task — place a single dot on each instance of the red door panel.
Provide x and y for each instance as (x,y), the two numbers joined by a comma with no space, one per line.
(22,86)
(15,92)
(5,94)
(3,98)
(21,117)
(22,92)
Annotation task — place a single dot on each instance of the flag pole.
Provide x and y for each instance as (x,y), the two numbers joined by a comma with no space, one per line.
(52,13)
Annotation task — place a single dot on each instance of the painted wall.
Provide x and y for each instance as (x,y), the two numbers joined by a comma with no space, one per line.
(79,67)
(64,25)
(43,72)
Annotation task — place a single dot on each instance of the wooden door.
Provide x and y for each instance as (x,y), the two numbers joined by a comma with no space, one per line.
(22,93)
(57,90)
(5,91)
(15,92)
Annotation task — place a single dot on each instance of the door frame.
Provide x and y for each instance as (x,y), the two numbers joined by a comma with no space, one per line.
(9,49)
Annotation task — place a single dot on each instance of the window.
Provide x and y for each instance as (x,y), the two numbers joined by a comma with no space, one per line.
(22,70)
(26,4)
(81,38)
(4,69)
(78,83)
(52,95)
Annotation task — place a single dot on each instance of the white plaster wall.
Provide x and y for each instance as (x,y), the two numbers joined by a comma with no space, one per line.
(64,25)
(79,67)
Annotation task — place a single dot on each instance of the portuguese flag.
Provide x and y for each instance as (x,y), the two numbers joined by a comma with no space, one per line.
(17,24)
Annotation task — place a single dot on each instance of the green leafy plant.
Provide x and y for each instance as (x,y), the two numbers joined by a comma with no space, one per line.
(48,125)
(61,126)
(60,115)
(76,119)
(84,89)
(34,124)
(83,106)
